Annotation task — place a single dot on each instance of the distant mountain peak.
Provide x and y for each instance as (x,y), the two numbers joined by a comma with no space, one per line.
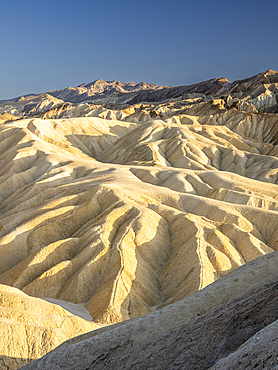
(223,79)
(271,72)
(100,89)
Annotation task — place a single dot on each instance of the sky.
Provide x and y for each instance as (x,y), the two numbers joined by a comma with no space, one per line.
(49,45)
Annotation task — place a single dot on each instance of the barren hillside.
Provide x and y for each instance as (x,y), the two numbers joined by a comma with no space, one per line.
(127,209)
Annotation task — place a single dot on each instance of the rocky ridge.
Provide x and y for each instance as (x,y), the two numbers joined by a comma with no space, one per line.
(261,91)
(254,94)
(100,90)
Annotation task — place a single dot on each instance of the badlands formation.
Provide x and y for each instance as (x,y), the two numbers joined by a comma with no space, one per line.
(123,200)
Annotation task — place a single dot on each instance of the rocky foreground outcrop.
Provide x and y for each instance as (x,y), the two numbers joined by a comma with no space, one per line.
(218,327)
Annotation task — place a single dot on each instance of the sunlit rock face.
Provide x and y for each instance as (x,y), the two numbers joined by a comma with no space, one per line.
(261,91)
(103,91)
(109,99)
(125,216)
(31,327)
(231,324)
(128,208)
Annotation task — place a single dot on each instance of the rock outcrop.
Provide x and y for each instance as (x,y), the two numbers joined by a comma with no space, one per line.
(29,105)
(205,88)
(7,117)
(260,91)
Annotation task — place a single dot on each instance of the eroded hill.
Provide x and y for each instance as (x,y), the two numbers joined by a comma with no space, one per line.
(128,209)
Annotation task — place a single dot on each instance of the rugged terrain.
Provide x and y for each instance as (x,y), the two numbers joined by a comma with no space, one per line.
(231,324)
(134,206)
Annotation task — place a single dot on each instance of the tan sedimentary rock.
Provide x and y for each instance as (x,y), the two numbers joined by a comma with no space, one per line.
(124,217)
(126,209)
(260,91)
(194,333)
(6,117)
(31,327)
(29,105)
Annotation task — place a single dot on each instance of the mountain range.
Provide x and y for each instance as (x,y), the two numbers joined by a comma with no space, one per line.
(258,93)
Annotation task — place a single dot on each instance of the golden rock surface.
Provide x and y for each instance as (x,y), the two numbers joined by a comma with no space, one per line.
(130,211)
(126,217)
(31,327)
(233,309)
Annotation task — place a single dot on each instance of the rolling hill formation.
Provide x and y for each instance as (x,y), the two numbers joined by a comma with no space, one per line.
(138,225)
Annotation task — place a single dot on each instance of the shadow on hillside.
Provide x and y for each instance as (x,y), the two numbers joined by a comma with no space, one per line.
(91,145)
(149,290)
(8,362)
(95,145)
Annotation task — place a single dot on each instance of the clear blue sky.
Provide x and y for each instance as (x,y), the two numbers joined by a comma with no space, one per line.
(46,45)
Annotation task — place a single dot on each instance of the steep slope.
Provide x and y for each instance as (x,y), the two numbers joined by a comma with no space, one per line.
(260,351)
(261,91)
(251,85)
(29,105)
(6,117)
(198,332)
(210,88)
